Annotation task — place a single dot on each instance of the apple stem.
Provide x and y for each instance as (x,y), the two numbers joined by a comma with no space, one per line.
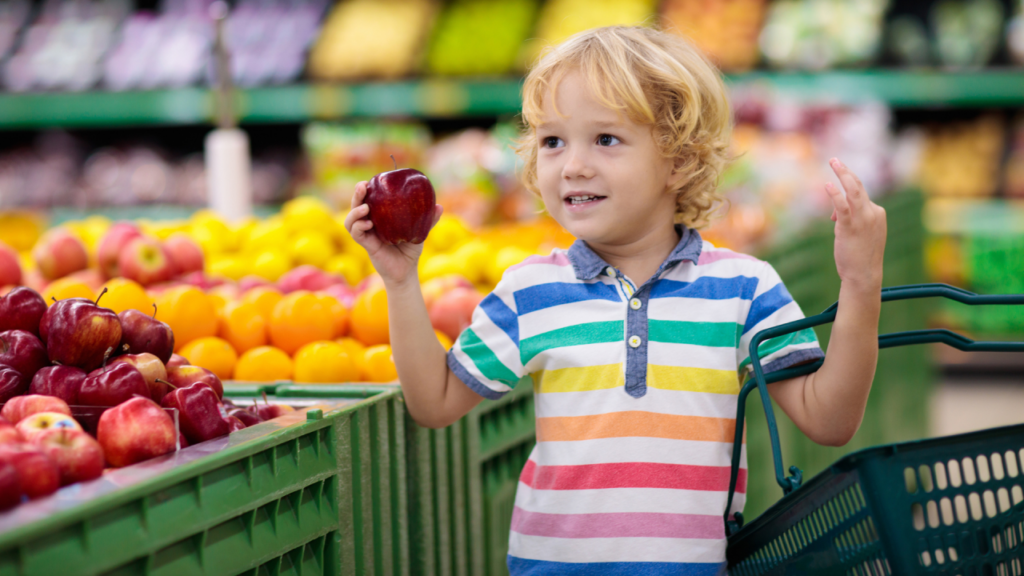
(173,387)
(265,401)
(54,298)
(395,161)
(106,355)
(100,296)
(154,310)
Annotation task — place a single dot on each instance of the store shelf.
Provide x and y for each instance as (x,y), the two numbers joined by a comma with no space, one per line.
(451,98)
(974,216)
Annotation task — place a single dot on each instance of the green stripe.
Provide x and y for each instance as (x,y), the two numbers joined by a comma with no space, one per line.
(485,359)
(769,347)
(714,334)
(577,335)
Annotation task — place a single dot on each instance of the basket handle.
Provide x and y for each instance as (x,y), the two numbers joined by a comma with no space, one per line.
(761,380)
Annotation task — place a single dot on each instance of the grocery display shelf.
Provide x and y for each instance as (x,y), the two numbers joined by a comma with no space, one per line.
(440,98)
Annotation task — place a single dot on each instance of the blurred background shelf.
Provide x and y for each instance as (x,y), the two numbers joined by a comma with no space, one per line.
(438,98)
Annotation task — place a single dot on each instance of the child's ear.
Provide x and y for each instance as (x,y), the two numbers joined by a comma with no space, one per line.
(676,178)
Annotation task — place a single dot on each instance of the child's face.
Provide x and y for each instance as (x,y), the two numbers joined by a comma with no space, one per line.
(600,174)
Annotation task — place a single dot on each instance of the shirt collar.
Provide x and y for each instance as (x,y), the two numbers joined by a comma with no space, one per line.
(588,265)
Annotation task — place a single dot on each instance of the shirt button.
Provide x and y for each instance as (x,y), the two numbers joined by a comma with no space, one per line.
(634,341)
(635,303)
(610,271)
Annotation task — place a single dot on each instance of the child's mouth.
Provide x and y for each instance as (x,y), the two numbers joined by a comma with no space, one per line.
(583,199)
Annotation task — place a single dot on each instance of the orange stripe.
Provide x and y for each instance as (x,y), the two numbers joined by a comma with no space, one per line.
(633,424)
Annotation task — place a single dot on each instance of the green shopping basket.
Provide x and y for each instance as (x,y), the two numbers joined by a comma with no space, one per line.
(952,505)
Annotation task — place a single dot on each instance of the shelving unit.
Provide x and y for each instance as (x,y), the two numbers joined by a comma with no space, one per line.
(440,98)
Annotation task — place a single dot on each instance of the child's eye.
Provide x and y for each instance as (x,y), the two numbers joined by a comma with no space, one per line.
(552,142)
(607,140)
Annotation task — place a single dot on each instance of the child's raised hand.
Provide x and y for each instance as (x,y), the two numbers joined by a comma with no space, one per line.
(396,263)
(860,231)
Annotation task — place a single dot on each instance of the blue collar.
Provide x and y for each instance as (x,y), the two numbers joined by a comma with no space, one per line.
(588,265)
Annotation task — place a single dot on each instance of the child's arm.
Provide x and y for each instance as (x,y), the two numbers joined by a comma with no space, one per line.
(434,395)
(828,405)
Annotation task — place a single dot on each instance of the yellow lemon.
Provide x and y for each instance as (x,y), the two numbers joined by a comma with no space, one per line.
(214,354)
(348,266)
(311,247)
(324,362)
(271,264)
(124,294)
(308,213)
(264,364)
(270,233)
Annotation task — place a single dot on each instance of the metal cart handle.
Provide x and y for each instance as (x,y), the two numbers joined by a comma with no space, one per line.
(761,381)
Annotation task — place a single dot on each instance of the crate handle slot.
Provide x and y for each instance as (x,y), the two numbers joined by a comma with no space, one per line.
(907,338)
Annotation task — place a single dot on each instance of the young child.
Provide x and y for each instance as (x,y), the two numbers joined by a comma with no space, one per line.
(635,335)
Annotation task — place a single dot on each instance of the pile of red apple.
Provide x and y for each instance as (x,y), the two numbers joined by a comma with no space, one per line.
(73,358)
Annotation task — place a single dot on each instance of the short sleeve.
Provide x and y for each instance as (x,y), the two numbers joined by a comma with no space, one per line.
(486,355)
(771,306)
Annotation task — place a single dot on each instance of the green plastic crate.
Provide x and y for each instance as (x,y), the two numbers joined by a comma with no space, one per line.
(897,409)
(317,492)
(462,482)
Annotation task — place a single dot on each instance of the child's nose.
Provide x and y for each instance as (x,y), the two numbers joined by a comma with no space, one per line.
(577,165)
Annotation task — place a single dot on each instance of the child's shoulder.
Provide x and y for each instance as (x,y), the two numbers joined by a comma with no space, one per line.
(539,269)
(717,257)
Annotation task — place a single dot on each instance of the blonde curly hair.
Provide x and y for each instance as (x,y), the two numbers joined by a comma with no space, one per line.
(655,78)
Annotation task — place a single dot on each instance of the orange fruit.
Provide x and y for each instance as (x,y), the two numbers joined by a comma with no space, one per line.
(370,317)
(379,364)
(264,364)
(189,312)
(355,351)
(324,362)
(212,353)
(264,298)
(124,294)
(242,325)
(65,288)
(298,319)
(444,339)
(338,312)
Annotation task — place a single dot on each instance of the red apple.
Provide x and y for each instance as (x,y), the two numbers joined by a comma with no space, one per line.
(10,267)
(452,311)
(59,253)
(31,426)
(11,383)
(305,277)
(64,382)
(10,486)
(109,249)
(176,361)
(21,309)
(145,261)
(22,407)
(199,416)
(145,334)
(402,205)
(234,424)
(77,455)
(186,256)
(151,368)
(38,476)
(248,418)
(23,352)
(183,376)
(135,431)
(271,411)
(80,333)
(112,385)
(9,432)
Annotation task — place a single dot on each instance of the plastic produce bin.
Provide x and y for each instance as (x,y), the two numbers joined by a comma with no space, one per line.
(320,491)
(462,481)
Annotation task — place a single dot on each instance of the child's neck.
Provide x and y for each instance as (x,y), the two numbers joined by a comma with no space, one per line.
(641,257)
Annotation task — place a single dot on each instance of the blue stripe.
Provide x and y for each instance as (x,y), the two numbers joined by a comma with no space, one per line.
(472,383)
(502,316)
(767,304)
(707,287)
(551,294)
(526,567)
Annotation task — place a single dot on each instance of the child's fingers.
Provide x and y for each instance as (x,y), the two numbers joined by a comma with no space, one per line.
(438,210)
(839,202)
(851,184)
(358,213)
(360,195)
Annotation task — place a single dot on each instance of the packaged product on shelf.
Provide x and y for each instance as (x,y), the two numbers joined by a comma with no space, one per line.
(726,30)
(63,49)
(967,32)
(342,154)
(480,36)
(560,19)
(822,34)
(1013,183)
(962,159)
(371,39)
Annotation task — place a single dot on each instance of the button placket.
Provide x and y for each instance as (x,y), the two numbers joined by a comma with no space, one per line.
(636,343)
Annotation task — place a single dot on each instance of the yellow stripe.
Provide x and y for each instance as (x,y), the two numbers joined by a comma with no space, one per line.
(579,379)
(693,379)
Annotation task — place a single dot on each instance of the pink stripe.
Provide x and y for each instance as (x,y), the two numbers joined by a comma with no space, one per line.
(709,256)
(631,475)
(555,258)
(618,525)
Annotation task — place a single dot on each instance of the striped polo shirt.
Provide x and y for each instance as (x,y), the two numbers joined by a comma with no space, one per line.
(635,394)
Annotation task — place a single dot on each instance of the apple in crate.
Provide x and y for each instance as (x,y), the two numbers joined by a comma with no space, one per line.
(183,376)
(144,333)
(199,414)
(77,455)
(11,383)
(59,253)
(9,432)
(112,385)
(10,486)
(64,382)
(21,309)
(31,426)
(23,352)
(17,409)
(38,476)
(135,431)
(80,333)
(146,261)
(151,368)
(402,205)
(107,253)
